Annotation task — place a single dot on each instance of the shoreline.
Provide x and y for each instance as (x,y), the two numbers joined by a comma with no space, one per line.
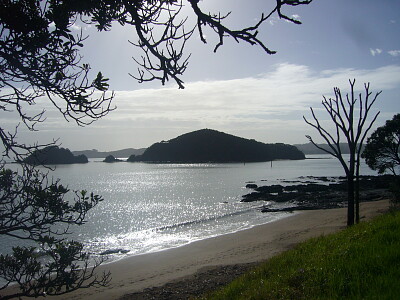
(230,255)
(288,213)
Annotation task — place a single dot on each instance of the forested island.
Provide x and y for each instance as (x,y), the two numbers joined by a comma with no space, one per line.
(54,155)
(207,145)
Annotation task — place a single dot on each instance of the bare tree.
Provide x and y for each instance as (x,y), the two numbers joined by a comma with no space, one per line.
(349,116)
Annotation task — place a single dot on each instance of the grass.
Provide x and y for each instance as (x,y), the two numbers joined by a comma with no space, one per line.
(361,262)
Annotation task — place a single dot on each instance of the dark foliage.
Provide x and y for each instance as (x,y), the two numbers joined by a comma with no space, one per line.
(38,60)
(382,151)
(208,145)
(30,208)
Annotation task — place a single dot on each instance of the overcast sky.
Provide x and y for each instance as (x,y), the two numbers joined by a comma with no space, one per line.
(241,90)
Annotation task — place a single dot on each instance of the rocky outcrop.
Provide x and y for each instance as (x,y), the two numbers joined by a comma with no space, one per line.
(114,251)
(111,159)
(251,186)
(318,196)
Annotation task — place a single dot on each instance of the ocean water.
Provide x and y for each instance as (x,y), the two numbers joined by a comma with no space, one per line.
(153,207)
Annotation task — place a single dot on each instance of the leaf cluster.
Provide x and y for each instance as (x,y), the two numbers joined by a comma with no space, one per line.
(382,150)
(52,269)
(31,205)
(34,209)
(39,57)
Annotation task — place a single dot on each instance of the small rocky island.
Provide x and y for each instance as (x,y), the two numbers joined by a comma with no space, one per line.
(211,146)
(111,159)
(54,155)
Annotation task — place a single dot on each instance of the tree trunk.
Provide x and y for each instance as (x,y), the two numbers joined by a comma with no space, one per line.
(350,200)
(357,198)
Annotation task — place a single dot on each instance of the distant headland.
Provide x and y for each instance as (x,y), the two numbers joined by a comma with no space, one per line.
(207,145)
(309,148)
(94,153)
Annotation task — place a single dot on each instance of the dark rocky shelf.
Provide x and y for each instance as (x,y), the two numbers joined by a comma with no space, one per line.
(329,193)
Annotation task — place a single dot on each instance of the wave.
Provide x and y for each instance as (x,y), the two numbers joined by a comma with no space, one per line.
(205,220)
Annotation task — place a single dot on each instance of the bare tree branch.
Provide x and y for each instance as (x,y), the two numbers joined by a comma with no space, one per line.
(343,116)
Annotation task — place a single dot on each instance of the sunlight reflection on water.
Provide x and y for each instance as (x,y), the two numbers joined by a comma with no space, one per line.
(152,207)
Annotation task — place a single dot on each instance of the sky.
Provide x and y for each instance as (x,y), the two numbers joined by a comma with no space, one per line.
(241,90)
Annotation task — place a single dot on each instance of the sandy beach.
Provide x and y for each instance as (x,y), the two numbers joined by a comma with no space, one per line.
(223,257)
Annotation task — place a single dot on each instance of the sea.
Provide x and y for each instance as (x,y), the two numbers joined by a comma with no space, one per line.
(153,207)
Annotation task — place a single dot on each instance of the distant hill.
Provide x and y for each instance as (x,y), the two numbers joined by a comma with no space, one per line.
(208,145)
(118,153)
(54,155)
(309,148)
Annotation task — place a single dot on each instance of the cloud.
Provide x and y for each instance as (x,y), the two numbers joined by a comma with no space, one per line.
(394,53)
(375,52)
(271,100)
(76,27)
(294,17)
(297,17)
(268,107)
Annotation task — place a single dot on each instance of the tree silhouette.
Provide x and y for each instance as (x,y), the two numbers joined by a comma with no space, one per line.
(33,209)
(383,146)
(40,59)
(382,152)
(349,116)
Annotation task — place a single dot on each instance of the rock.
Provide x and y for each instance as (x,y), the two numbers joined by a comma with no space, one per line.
(275,188)
(319,196)
(300,207)
(111,159)
(114,251)
(251,186)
